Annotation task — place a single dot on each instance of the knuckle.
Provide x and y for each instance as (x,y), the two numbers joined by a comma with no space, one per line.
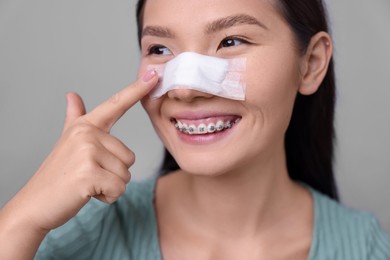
(81,130)
(113,188)
(130,159)
(89,167)
(86,156)
(124,171)
(116,193)
(121,189)
(126,176)
(106,125)
(86,175)
(89,150)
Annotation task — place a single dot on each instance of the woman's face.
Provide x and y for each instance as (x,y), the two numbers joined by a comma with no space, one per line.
(253,29)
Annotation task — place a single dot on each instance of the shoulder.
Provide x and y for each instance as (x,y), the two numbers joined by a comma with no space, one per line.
(344,233)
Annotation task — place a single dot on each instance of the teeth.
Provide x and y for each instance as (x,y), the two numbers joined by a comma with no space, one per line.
(203,128)
(220,125)
(191,129)
(211,128)
(184,126)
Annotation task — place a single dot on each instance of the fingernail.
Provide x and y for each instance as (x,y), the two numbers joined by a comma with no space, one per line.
(149,75)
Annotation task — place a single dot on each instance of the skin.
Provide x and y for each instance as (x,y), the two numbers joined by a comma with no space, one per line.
(201,214)
(86,162)
(243,208)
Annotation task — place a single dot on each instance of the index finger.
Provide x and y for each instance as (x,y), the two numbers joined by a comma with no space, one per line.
(109,112)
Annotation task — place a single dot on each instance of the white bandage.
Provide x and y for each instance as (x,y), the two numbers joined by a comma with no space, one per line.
(216,76)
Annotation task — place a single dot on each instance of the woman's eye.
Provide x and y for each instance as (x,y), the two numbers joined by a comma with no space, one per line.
(159,50)
(231,42)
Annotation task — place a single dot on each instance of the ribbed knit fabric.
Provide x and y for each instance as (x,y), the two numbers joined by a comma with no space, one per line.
(122,231)
(346,234)
(128,230)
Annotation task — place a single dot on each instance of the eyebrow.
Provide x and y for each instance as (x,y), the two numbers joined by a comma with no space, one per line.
(213,27)
(230,21)
(157,31)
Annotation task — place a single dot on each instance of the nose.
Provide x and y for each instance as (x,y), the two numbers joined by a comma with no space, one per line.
(187,95)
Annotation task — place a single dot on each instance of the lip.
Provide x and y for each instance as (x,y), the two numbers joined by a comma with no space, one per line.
(201,115)
(204,139)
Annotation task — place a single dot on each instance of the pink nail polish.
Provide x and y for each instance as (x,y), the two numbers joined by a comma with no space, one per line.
(149,75)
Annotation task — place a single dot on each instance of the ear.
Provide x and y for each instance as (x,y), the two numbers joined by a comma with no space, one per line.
(315,63)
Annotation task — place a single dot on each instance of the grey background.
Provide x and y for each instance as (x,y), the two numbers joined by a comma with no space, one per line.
(50,47)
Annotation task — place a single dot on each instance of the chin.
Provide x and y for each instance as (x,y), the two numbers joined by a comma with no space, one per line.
(205,166)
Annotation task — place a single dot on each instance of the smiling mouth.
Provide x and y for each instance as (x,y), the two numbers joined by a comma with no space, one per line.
(202,127)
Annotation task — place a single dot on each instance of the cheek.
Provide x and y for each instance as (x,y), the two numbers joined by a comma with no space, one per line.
(151,107)
(142,69)
(272,75)
(271,88)
(270,94)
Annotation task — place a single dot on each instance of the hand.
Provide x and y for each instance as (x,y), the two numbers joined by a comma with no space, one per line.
(86,162)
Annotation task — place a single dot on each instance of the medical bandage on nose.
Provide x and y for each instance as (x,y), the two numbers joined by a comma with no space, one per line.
(216,76)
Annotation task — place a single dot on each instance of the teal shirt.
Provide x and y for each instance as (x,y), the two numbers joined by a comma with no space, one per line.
(128,230)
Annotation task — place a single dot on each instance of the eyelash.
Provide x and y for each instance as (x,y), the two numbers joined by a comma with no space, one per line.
(152,50)
(232,39)
(156,49)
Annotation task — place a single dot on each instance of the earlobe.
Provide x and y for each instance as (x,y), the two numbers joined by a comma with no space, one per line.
(316,59)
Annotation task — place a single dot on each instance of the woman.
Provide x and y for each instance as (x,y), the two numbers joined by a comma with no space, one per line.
(248,191)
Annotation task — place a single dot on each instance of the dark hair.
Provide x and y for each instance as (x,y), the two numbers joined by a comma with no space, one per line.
(309,139)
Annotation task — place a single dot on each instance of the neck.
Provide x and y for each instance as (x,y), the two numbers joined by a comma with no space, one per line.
(240,202)
(247,213)
(243,203)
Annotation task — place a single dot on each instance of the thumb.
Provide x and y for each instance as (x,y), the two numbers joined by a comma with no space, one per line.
(75,108)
